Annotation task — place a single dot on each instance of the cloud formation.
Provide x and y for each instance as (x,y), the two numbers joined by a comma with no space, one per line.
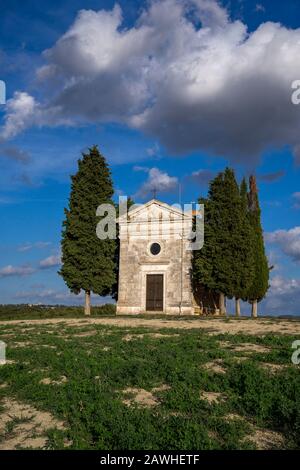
(201,177)
(10,270)
(23,111)
(271,177)
(260,7)
(50,262)
(283,297)
(29,246)
(16,154)
(20,114)
(185,73)
(158,182)
(287,240)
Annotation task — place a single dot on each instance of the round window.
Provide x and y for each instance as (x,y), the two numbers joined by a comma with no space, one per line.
(155,248)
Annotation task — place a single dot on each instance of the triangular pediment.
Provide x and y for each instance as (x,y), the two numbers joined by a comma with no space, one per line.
(155,210)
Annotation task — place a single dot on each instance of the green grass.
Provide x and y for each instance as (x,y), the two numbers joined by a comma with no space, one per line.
(93,409)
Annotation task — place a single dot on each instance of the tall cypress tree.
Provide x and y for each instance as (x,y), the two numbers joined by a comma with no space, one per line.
(260,284)
(224,264)
(213,263)
(88,263)
(203,259)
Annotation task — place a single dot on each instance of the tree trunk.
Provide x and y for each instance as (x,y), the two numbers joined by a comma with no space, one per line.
(254,309)
(222,304)
(237,307)
(87,307)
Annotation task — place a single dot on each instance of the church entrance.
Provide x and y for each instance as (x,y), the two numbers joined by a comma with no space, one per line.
(155,293)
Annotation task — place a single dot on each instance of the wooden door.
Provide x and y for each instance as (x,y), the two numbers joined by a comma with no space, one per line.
(155,293)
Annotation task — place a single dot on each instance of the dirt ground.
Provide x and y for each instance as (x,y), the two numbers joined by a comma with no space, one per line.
(259,326)
(30,425)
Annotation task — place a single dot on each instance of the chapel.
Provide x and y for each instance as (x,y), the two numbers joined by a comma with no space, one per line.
(155,263)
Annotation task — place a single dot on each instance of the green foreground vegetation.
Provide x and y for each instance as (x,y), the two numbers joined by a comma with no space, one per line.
(142,388)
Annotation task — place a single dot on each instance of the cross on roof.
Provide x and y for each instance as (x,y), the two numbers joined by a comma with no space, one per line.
(154,191)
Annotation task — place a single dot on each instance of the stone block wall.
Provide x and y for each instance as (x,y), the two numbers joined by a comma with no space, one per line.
(136,261)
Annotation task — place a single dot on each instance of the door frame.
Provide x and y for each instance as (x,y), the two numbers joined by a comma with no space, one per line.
(161,289)
(144,273)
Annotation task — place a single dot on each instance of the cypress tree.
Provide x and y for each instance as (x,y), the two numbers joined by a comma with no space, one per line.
(224,264)
(260,284)
(202,261)
(212,265)
(88,263)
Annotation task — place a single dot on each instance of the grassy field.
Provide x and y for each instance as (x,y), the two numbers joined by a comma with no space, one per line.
(81,385)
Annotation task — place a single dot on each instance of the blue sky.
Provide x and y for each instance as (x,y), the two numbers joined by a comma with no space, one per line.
(172,92)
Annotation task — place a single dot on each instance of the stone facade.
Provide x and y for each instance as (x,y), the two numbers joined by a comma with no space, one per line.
(168,228)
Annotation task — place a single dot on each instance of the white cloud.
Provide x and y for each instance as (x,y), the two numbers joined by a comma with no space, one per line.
(273,260)
(211,14)
(287,240)
(280,285)
(283,297)
(30,246)
(10,270)
(201,177)
(259,8)
(20,111)
(23,111)
(158,181)
(215,87)
(50,261)
(153,151)
(145,169)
